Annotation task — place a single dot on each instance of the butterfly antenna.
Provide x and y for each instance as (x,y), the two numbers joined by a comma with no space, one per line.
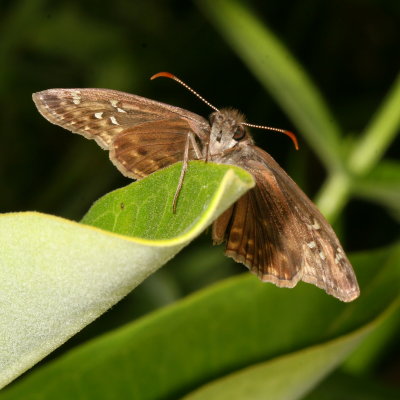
(270,128)
(171,76)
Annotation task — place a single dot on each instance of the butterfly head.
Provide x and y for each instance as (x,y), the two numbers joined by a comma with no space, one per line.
(227,130)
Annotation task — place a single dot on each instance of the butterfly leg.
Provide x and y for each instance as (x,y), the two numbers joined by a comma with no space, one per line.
(195,146)
(189,140)
(207,152)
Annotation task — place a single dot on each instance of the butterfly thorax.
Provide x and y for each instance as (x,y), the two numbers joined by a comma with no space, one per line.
(228,135)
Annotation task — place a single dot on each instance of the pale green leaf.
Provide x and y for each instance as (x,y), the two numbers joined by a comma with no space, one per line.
(57,275)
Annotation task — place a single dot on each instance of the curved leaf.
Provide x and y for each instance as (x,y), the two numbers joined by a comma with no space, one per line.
(57,275)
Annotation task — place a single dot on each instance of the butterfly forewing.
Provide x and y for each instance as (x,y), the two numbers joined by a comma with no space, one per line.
(142,135)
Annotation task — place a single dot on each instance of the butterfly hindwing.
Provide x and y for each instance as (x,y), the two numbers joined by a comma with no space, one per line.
(148,147)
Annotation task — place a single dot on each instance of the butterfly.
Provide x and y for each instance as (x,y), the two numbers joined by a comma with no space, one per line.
(274,229)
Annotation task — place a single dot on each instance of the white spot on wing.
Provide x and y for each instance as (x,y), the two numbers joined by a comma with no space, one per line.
(98,115)
(311,245)
(339,255)
(114,103)
(315,226)
(113,120)
(76,98)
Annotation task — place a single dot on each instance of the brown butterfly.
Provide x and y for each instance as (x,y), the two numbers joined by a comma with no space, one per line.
(274,229)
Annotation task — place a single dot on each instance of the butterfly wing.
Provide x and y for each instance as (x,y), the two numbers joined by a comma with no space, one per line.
(279,234)
(142,135)
(150,146)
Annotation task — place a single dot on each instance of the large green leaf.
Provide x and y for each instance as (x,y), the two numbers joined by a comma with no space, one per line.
(57,275)
(240,326)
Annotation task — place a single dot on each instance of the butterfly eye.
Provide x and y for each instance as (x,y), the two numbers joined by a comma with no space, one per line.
(239,133)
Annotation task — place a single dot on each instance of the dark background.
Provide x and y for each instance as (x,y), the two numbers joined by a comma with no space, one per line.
(349,48)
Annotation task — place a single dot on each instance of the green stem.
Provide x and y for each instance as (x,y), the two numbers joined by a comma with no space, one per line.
(334,195)
(378,135)
(279,72)
(370,147)
(275,68)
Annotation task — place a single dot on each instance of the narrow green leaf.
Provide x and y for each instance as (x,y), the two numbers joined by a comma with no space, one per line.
(347,387)
(280,74)
(369,353)
(237,324)
(334,195)
(303,369)
(367,357)
(380,133)
(57,275)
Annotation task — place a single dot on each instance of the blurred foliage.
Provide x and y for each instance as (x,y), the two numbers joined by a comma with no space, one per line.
(233,340)
(343,61)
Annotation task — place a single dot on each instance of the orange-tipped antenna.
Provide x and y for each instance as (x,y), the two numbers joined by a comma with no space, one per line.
(171,76)
(270,128)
